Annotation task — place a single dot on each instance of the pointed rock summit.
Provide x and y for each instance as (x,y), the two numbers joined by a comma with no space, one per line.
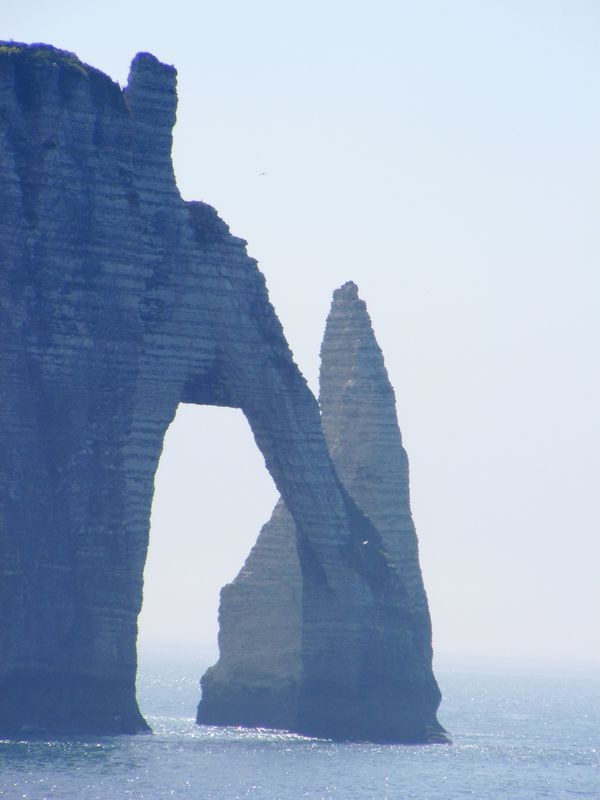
(261,615)
(358,414)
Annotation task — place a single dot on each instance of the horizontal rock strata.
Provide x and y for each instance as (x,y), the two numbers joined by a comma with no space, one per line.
(119,301)
(261,633)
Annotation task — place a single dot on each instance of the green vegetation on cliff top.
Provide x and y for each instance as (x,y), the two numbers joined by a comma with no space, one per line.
(43,52)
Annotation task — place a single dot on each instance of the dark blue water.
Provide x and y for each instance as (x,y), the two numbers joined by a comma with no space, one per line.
(514,739)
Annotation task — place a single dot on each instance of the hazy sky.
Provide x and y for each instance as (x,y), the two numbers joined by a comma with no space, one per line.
(443,155)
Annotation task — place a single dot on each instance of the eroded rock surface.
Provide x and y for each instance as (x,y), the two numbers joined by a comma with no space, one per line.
(119,301)
(261,614)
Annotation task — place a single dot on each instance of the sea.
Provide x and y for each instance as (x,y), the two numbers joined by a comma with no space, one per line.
(514,737)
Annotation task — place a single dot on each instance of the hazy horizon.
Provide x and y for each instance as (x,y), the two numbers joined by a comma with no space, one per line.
(445,159)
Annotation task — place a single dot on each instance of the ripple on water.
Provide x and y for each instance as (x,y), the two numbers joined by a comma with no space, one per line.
(512,740)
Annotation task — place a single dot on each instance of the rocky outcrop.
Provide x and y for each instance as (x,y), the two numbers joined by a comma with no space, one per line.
(261,635)
(119,301)
(358,414)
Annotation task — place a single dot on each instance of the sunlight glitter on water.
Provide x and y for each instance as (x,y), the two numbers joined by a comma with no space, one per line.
(514,739)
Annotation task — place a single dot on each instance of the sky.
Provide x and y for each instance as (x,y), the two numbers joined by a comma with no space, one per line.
(444,156)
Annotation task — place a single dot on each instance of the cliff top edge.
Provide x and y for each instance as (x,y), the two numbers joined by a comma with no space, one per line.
(46,54)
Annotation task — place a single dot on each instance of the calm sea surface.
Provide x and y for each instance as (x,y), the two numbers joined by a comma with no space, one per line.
(514,739)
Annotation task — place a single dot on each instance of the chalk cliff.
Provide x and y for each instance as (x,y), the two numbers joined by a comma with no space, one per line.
(261,613)
(119,301)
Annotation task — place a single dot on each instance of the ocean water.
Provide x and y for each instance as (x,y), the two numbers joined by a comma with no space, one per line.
(514,738)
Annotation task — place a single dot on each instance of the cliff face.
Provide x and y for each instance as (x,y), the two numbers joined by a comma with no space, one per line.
(261,635)
(358,409)
(119,301)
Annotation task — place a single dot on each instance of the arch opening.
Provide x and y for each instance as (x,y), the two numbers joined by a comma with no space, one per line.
(212,495)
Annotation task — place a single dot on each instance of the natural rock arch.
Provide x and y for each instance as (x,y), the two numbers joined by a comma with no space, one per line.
(119,301)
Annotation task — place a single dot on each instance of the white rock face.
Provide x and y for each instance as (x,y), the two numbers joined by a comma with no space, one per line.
(358,414)
(261,632)
(119,301)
